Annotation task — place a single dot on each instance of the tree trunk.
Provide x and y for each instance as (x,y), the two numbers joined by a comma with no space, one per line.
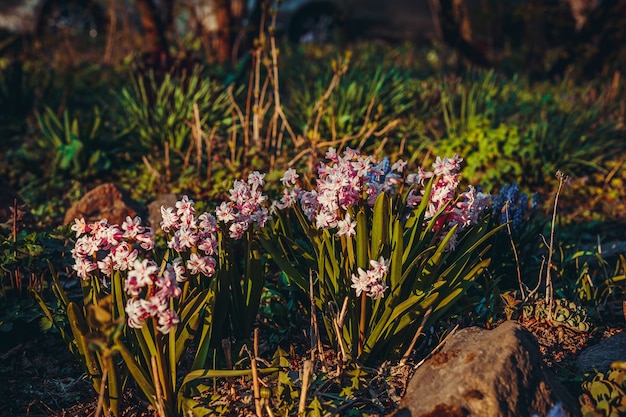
(224,36)
(456,30)
(154,29)
(603,27)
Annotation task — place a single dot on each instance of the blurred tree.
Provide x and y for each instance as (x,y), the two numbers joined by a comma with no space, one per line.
(155,27)
(224,31)
(603,33)
(456,30)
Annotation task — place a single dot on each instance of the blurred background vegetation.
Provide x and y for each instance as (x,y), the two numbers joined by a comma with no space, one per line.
(184,97)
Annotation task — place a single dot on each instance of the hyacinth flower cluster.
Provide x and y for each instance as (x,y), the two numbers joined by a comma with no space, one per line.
(378,236)
(193,235)
(511,204)
(107,248)
(372,281)
(341,184)
(347,178)
(245,206)
(463,211)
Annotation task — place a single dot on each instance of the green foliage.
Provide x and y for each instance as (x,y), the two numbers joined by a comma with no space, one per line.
(24,258)
(351,104)
(158,111)
(80,151)
(208,310)
(494,150)
(511,132)
(597,282)
(386,100)
(423,276)
(605,394)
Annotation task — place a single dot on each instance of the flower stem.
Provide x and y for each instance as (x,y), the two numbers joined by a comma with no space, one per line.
(362,323)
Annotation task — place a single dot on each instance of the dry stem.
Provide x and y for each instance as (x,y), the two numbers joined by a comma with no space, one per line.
(306,371)
(255,375)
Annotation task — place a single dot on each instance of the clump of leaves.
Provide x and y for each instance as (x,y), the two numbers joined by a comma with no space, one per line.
(605,394)
(77,148)
(24,270)
(159,112)
(349,104)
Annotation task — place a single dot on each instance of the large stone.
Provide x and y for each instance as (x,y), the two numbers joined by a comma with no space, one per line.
(106,201)
(486,373)
(600,356)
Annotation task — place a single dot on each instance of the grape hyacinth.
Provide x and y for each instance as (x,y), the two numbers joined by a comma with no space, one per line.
(511,204)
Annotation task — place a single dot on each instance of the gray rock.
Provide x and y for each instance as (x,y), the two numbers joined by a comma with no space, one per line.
(486,373)
(154,209)
(600,356)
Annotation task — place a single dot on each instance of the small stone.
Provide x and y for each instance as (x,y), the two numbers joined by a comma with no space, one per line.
(600,356)
(106,201)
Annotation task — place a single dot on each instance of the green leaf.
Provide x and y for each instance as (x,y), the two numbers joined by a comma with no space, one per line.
(380,225)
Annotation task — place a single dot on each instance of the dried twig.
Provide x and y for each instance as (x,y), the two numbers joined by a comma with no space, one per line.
(306,374)
(255,375)
(517,263)
(445,339)
(338,325)
(160,405)
(103,383)
(407,354)
(549,288)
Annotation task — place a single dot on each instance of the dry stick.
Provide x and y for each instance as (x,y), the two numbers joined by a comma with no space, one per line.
(153,171)
(105,375)
(242,119)
(439,345)
(549,288)
(316,125)
(209,154)
(517,264)
(536,289)
(338,323)
(157,386)
(381,146)
(255,375)
(226,346)
(277,106)
(340,142)
(363,131)
(417,335)
(190,147)
(256,92)
(316,342)
(307,369)
(198,136)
